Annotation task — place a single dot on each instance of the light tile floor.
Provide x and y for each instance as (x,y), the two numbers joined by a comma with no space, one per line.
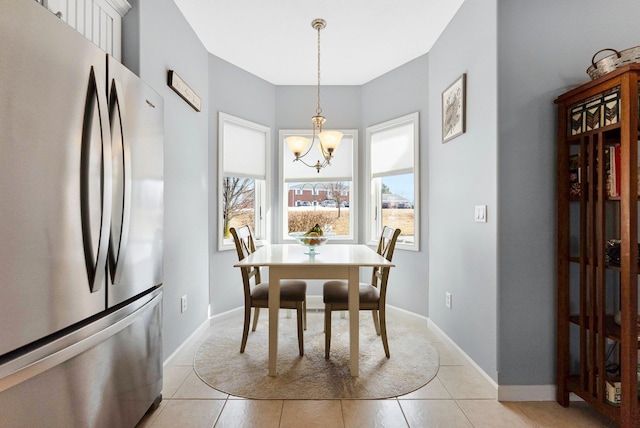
(458,396)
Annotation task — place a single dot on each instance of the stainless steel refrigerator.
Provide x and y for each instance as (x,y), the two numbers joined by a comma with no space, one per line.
(81,226)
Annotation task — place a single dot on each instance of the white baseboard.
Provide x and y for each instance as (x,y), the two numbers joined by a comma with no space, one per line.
(527,393)
(170,361)
(531,393)
(225,315)
(314,302)
(397,309)
(441,334)
(506,392)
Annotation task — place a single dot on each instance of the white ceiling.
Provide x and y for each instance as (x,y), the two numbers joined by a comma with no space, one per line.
(274,39)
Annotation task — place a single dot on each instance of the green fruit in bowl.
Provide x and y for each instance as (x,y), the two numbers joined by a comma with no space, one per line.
(315,231)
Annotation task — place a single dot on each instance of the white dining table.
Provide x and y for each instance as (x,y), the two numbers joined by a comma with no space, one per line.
(333,261)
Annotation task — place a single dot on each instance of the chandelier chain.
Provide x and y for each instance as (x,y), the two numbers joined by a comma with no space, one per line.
(319,109)
(298,144)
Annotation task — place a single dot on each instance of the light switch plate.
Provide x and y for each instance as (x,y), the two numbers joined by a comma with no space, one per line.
(481,214)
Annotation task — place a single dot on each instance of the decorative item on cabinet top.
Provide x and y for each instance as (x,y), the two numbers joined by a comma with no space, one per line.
(613,61)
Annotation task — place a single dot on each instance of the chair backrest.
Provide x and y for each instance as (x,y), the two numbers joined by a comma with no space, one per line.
(386,247)
(387,243)
(245,246)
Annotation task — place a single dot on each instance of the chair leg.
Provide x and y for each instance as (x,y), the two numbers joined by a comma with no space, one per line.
(327,330)
(376,321)
(299,316)
(245,329)
(383,328)
(256,314)
(304,312)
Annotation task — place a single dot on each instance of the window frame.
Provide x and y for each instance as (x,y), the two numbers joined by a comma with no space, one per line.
(282,227)
(261,187)
(373,186)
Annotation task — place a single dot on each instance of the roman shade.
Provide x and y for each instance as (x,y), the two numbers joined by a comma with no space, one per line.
(392,150)
(244,149)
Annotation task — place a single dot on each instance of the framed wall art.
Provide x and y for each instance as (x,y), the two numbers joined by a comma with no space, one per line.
(181,88)
(453,109)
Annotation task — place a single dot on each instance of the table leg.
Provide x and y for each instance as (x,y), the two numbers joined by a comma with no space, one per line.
(274,306)
(354,320)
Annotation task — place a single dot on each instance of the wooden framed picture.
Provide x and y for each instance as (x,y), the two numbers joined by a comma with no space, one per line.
(181,88)
(453,109)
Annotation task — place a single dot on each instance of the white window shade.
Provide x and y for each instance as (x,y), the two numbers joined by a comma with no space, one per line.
(244,150)
(392,150)
(341,168)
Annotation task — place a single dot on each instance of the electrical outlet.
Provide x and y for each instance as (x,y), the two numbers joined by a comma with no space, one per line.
(448,299)
(183,304)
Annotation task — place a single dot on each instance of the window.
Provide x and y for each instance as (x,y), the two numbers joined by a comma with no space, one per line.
(326,198)
(243,157)
(392,170)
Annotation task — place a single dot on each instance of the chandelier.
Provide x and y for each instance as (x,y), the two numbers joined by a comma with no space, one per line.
(328,140)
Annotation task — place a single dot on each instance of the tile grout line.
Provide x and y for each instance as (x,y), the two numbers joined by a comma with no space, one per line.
(281,413)
(463,412)
(224,406)
(403,414)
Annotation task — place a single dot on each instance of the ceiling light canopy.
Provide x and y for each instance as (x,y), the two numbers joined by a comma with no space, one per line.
(328,140)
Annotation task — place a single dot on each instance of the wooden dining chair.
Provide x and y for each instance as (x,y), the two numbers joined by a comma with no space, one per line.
(373,296)
(292,292)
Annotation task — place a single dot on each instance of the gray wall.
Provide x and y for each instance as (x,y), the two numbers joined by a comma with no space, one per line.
(544,48)
(463,173)
(241,94)
(397,93)
(158,39)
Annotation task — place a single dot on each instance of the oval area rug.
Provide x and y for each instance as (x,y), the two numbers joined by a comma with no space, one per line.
(413,363)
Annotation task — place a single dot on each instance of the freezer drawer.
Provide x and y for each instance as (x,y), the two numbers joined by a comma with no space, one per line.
(105,375)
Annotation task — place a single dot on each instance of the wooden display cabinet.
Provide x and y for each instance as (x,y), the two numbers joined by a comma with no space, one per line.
(598,242)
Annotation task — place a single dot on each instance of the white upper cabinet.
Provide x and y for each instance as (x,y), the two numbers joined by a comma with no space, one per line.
(98,20)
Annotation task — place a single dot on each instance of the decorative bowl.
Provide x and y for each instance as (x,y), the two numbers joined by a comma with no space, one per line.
(310,241)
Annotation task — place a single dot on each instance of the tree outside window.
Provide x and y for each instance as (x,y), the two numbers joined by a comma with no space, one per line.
(238,197)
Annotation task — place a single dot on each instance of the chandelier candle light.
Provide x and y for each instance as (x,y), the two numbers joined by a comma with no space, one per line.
(328,140)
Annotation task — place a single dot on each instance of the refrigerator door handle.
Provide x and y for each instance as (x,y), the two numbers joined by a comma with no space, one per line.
(121,183)
(95,167)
